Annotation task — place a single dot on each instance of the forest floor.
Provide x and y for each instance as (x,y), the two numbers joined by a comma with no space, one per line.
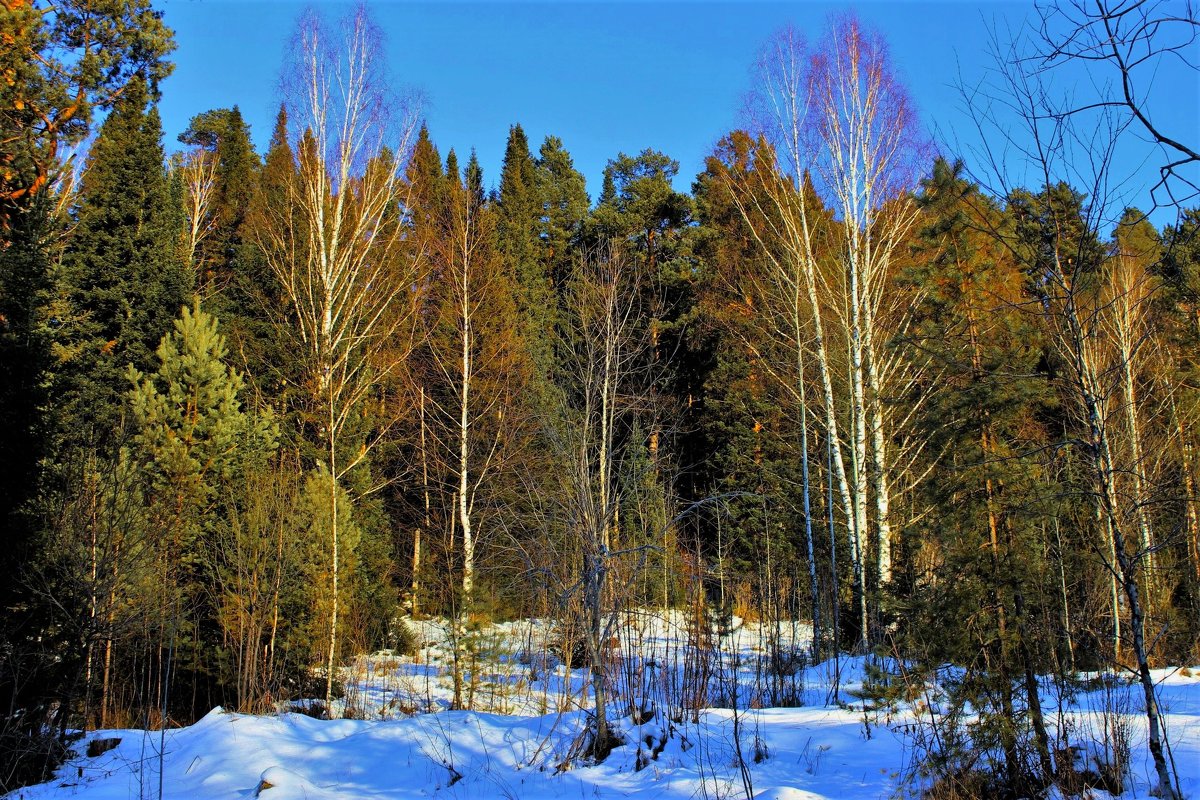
(800,731)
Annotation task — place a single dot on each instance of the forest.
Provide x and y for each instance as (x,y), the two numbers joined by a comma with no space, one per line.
(263,412)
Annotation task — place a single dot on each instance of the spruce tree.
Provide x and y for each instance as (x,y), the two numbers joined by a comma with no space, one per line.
(253,300)
(453,173)
(473,179)
(519,210)
(123,278)
(426,182)
(25,360)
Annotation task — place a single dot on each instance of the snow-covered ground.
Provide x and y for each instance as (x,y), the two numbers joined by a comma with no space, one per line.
(522,740)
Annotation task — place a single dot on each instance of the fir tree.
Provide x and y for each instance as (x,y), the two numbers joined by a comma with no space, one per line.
(519,214)
(123,277)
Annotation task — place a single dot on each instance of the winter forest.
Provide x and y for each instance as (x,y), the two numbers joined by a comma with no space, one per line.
(854,421)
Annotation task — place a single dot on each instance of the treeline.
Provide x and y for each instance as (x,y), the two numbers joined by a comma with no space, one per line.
(258,408)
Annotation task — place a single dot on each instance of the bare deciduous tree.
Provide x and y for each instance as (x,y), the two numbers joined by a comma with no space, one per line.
(606,349)
(337,247)
(1132,41)
(1081,316)
(197,171)
(842,135)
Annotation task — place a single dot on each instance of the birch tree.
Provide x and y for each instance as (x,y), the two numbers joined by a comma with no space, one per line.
(1057,239)
(197,171)
(839,131)
(868,132)
(1129,290)
(336,246)
(605,349)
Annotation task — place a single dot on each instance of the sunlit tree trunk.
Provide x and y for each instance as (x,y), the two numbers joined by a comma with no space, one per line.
(1130,289)
(1081,355)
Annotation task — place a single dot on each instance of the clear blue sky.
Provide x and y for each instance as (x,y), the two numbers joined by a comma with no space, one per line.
(605,78)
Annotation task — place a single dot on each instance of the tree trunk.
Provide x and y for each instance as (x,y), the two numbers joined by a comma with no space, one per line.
(333,540)
(880,472)
(416,556)
(1137,472)
(858,509)
(1104,471)
(1033,699)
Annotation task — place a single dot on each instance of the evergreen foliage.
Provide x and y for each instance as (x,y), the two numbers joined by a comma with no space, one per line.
(62,61)
(196,445)
(123,279)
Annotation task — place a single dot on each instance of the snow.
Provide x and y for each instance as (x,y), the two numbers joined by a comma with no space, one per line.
(522,741)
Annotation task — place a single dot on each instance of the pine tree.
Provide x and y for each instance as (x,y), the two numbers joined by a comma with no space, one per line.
(563,192)
(191,423)
(983,419)
(196,444)
(60,62)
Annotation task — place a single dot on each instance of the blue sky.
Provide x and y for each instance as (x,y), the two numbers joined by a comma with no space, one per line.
(605,78)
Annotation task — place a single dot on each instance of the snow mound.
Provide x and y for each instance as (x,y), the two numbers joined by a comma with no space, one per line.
(786,793)
(526,740)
